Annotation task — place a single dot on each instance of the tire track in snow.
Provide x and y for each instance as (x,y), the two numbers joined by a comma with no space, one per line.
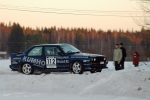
(104,80)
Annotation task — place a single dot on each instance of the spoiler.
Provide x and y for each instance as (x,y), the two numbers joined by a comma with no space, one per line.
(15,54)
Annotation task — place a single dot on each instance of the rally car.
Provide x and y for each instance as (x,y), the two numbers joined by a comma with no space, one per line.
(56,57)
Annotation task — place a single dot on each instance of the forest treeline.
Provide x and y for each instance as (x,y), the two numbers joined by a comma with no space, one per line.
(15,38)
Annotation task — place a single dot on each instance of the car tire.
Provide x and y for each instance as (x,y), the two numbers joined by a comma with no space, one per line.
(99,70)
(13,69)
(77,67)
(27,69)
(47,72)
(92,71)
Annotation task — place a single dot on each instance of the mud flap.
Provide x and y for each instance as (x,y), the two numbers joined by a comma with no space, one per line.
(19,69)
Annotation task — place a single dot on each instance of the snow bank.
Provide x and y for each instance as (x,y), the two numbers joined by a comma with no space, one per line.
(129,84)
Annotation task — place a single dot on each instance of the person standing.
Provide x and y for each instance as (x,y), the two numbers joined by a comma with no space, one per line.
(136,59)
(124,54)
(117,57)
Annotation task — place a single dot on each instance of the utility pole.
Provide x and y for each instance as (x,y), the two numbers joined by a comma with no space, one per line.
(109,47)
(0,37)
(88,41)
(25,45)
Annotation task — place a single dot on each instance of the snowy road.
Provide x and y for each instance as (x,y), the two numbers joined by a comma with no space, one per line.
(129,84)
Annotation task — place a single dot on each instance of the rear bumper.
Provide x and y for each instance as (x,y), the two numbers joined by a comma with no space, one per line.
(14,67)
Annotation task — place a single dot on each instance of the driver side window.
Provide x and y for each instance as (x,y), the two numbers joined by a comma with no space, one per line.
(51,51)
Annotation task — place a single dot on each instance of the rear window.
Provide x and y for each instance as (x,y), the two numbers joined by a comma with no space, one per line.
(36,51)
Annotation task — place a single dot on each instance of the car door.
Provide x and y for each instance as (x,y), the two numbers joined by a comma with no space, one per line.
(54,62)
(35,57)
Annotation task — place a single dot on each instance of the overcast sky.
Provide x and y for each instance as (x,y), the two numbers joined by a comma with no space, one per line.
(97,14)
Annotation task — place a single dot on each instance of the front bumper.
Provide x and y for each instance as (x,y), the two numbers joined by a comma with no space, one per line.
(97,65)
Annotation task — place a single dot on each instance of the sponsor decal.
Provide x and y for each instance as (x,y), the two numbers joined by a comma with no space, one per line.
(87,64)
(80,57)
(35,61)
(14,62)
(86,60)
(62,61)
(17,58)
(65,66)
(65,57)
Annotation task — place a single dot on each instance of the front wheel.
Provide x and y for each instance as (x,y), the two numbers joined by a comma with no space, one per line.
(27,69)
(92,71)
(99,70)
(77,67)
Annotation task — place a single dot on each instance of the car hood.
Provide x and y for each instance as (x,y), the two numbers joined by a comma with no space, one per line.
(87,55)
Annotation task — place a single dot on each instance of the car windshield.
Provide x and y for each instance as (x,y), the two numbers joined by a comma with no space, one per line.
(67,48)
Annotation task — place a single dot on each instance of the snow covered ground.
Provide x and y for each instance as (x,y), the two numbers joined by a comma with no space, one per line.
(128,84)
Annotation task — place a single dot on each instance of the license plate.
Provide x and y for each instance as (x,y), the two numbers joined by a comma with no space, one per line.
(101,62)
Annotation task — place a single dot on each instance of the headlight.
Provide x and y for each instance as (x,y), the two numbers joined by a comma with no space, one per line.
(93,59)
(104,58)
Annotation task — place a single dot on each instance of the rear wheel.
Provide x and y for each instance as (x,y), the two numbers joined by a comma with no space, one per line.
(77,67)
(27,69)
(13,69)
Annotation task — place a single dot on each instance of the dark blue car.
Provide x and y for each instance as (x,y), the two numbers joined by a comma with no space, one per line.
(56,57)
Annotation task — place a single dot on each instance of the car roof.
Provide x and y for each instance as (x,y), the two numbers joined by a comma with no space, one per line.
(52,44)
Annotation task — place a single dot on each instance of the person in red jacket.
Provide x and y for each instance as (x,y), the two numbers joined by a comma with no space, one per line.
(136,59)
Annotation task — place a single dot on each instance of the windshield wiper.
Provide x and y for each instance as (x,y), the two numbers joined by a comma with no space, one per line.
(78,52)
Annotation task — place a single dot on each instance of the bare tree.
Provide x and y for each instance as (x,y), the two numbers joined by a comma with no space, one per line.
(143,19)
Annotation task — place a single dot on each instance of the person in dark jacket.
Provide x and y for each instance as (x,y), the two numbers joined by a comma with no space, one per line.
(124,54)
(136,59)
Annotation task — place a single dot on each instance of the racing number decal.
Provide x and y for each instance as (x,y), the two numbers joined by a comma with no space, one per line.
(51,62)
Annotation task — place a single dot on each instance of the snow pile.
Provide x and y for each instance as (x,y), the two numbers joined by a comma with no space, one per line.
(132,83)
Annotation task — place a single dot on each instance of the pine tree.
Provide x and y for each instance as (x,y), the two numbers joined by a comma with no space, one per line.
(16,39)
(80,39)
